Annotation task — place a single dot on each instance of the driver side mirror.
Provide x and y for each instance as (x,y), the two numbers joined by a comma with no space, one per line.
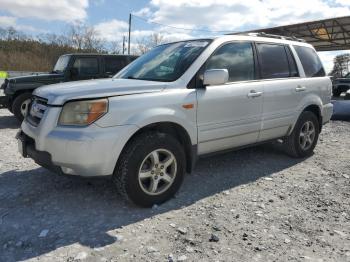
(215,77)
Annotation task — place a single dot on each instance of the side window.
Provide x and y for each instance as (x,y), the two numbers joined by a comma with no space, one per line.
(114,65)
(86,66)
(273,61)
(237,58)
(311,62)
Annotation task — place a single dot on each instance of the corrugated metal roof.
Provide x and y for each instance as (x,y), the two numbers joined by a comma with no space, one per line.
(325,35)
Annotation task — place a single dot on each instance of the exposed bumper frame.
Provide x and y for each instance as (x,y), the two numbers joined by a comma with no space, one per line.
(40,157)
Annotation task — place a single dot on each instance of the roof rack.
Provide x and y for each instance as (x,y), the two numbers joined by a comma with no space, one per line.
(262,34)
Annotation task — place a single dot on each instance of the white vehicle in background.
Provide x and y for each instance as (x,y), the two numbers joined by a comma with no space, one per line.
(181,100)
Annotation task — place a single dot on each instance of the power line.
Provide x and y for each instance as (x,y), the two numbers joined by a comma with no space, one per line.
(179,28)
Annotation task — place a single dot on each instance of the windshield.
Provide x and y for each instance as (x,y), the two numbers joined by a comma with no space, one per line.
(61,64)
(347,75)
(166,62)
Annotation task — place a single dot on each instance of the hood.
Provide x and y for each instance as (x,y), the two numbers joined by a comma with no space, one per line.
(58,94)
(37,78)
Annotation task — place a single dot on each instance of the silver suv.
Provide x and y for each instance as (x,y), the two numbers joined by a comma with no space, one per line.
(147,125)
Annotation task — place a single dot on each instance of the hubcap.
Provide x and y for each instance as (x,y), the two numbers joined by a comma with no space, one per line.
(24,107)
(307,135)
(157,172)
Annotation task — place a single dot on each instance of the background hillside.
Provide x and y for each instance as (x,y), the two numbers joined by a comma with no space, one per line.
(20,52)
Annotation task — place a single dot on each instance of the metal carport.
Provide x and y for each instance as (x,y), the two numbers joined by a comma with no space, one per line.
(325,35)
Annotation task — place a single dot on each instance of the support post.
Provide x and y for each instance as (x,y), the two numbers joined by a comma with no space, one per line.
(123,44)
(129,34)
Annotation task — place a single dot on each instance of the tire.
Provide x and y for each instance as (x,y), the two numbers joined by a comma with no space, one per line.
(347,96)
(293,144)
(139,155)
(9,107)
(20,104)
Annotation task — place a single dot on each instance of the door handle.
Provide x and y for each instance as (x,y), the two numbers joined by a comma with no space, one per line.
(253,93)
(300,88)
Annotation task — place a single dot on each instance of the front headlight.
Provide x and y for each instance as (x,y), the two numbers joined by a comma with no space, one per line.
(83,113)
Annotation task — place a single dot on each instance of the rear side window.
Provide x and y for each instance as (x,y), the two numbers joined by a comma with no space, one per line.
(311,62)
(237,58)
(113,65)
(86,66)
(273,61)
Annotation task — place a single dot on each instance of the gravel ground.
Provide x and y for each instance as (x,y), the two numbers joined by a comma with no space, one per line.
(255,204)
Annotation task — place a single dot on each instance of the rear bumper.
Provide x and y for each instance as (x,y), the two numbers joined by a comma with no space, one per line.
(327,112)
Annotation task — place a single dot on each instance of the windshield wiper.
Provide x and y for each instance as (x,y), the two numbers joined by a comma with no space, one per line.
(56,71)
(131,77)
(148,79)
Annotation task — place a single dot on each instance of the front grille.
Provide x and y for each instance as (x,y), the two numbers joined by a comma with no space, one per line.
(37,109)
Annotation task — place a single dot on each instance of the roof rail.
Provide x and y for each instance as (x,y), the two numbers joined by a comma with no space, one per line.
(262,34)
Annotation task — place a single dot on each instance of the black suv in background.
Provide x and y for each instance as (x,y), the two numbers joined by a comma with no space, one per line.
(341,85)
(70,67)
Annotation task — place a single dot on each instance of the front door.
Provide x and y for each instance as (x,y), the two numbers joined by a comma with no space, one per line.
(229,115)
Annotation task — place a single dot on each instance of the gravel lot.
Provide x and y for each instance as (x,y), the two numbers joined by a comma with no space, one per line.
(251,205)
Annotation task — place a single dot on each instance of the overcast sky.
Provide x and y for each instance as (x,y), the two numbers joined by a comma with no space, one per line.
(110,17)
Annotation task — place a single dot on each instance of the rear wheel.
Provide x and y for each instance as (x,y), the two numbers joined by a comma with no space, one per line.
(150,169)
(20,105)
(303,139)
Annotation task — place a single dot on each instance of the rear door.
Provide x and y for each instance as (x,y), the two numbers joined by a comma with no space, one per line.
(279,74)
(113,64)
(229,115)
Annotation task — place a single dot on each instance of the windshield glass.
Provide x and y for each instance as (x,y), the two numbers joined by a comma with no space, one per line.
(166,62)
(347,75)
(61,63)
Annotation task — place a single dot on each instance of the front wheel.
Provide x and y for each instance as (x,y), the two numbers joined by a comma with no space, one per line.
(303,139)
(150,169)
(20,105)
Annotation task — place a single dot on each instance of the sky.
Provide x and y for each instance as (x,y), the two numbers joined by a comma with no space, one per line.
(197,18)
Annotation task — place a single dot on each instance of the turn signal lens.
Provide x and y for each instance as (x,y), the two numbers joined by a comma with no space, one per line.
(83,113)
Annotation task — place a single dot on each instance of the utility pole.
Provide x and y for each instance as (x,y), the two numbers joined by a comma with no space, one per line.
(129,34)
(123,44)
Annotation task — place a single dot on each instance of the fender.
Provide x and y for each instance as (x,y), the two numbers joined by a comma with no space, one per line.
(152,118)
(158,115)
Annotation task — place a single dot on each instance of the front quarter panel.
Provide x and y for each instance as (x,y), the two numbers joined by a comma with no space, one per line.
(144,109)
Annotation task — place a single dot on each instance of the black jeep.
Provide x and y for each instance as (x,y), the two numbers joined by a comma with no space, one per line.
(70,67)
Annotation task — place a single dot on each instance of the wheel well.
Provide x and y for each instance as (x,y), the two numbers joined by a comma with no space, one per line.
(316,110)
(176,131)
(343,88)
(19,92)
